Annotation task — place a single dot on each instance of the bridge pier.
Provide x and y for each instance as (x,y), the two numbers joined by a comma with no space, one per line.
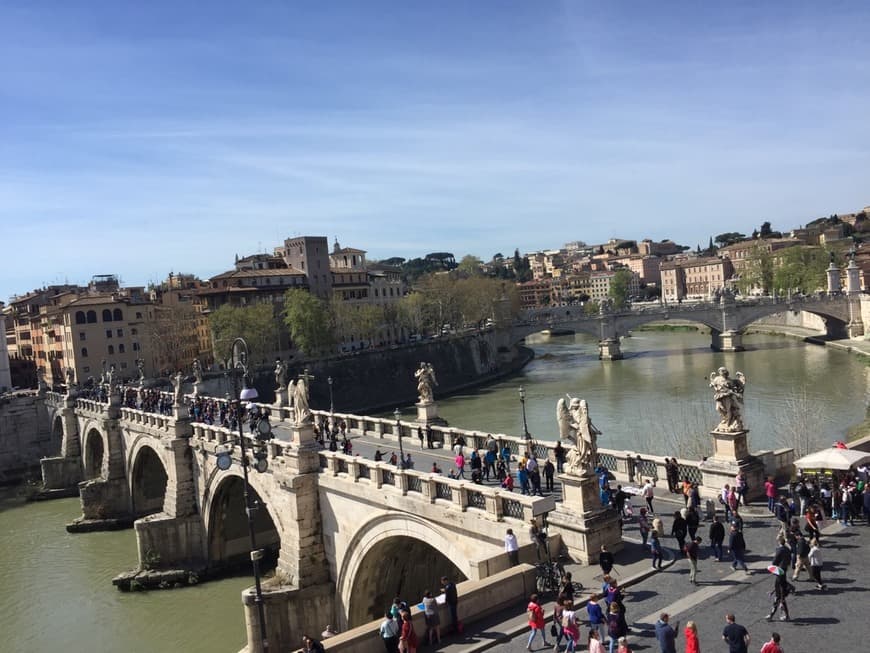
(609,349)
(730,456)
(729,340)
(62,474)
(301,597)
(106,500)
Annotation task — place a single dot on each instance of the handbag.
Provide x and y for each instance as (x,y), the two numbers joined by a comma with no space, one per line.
(553,631)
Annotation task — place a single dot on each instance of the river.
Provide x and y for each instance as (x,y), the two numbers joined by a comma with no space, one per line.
(56,592)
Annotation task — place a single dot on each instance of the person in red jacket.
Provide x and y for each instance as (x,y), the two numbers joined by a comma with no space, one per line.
(691,633)
(536,621)
(772,645)
(408,636)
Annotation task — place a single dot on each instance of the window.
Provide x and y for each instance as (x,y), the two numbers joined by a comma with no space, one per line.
(92,317)
(135,346)
(134,331)
(108,333)
(111,350)
(84,352)
(82,335)
(117,315)
(139,315)
(80,317)
(86,369)
(120,333)
(121,349)
(107,315)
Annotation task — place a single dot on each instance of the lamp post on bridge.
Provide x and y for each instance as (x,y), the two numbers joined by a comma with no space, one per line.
(398,415)
(523,404)
(240,374)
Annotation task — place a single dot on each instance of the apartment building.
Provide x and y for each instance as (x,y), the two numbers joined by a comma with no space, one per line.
(694,277)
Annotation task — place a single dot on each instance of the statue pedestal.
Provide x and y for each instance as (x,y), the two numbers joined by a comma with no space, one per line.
(280,397)
(730,456)
(583,523)
(728,341)
(302,457)
(427,413)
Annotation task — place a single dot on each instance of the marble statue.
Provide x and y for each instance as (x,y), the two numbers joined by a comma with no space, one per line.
(197,371)
(301,409)
(280,374)
(41,385)
(426,383)
(111,381)
(70,375)
(728,394)
(104,374)
(575,424)
(140,366)
(178,388)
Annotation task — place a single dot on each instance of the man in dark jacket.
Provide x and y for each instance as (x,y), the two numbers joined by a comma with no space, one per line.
(666,634)
(717,536)
(782,556)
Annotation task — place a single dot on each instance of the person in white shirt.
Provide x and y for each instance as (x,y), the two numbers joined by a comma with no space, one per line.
(512,547)
(648,493)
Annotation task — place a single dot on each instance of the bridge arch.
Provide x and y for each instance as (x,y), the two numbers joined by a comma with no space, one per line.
(56,441)
(94,451)
(147,479)
(227,537)
(395,554)
(835,325)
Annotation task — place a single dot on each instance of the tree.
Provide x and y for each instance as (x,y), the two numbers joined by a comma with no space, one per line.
(470,265)
(395,261)
(801,268)
(591,308)
(522,267)
(255,323)
(729,238)
(411,309)
(355,321)
(758,273)
(619,287)
(765,230)
(309,321)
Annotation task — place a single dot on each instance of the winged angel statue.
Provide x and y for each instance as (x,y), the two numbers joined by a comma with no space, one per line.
(575,424)
(728,394)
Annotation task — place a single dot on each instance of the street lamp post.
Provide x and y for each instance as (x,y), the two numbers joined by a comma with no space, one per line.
(398,415)
(240,367)
(523,404)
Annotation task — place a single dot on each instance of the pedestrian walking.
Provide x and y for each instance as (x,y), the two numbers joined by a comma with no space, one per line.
(648,493)
(781,589)
(389,632)
(614,626)
(717,537)
(570,626)
(655,547)
(692,550)
(549,471)
(535,614)
(693,521)
(605,560)
(772,645)
(815,559)
(512,547)
(770,493)
(737,545)
(691,634)
(460,465)
(643,525)
(666,634)
(595,645)
(802,548)
(421,437)
(678,532)
(433,620)
(735,635)
(596,615)
(408,641)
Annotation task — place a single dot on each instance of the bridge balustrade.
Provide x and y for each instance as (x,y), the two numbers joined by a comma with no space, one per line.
(432,488)
(90,405)
(154,420)
(54,398)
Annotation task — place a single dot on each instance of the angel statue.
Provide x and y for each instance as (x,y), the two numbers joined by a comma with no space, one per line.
(280,374)
(426,382)
(299,392)
(197,371)
(178,389)
(575,424)
(728,394)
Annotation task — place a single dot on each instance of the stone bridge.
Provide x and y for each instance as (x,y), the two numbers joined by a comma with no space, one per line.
(344,534)
(727,319)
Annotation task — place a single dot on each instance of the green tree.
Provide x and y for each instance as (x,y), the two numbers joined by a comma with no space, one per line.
(412,312)
(801,268)
(758,273)
(728,238)
(256,324)
(591,307)
(309,321)
(619,287)
(470,265)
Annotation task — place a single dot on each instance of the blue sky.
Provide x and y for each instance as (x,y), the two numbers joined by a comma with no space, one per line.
(139,138)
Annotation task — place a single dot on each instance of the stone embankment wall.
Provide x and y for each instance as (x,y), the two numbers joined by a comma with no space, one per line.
(373,380)
(25,436)
(791,319)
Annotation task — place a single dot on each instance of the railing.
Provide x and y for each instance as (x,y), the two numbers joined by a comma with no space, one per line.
(424,486)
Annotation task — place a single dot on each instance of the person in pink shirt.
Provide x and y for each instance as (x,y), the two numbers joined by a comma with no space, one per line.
(460,465)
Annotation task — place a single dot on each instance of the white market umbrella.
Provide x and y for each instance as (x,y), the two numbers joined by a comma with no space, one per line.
(833,458)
